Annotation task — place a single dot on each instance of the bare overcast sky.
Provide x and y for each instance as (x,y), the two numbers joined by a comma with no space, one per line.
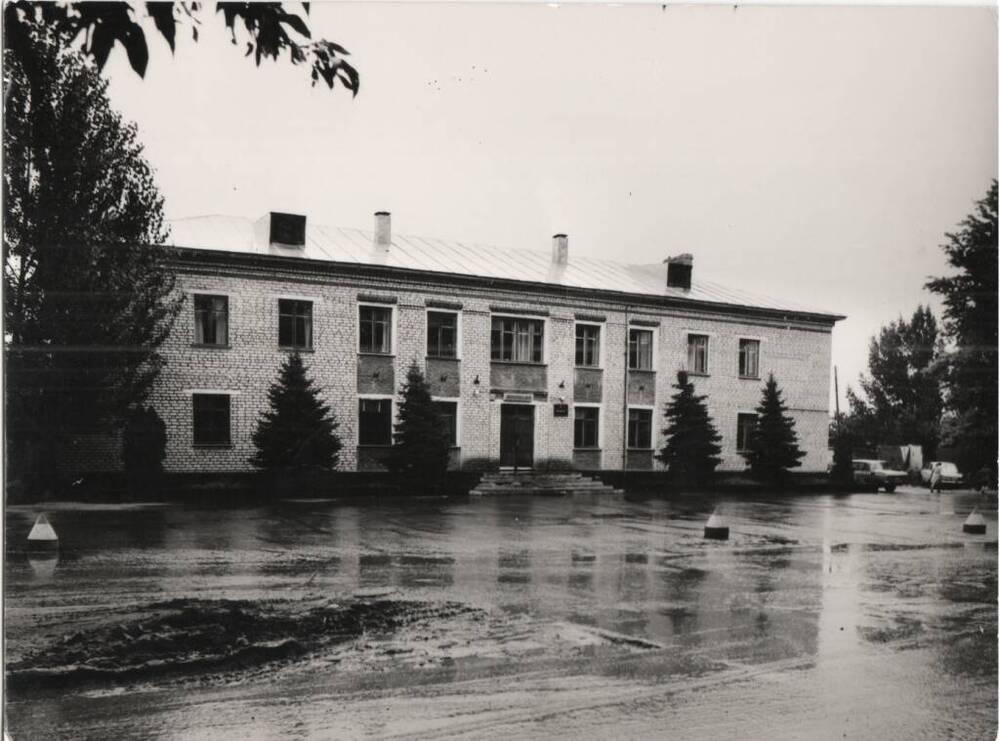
(817,154)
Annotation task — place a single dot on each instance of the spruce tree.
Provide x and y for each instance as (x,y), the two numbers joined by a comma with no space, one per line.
(419,455)
(773,447)
(692,450)
(298,431)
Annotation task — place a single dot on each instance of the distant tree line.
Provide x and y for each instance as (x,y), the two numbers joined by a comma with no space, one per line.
(936,386)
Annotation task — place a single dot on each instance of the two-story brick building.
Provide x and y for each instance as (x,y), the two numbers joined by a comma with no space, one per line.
(534,358)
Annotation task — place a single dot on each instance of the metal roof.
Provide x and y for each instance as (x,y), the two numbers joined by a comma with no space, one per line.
(356,246)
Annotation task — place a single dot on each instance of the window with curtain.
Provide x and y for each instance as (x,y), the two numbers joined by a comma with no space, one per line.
(375,329)
(640,428)
(698,353)
(640,349)
(449,419)
(210,419)
(211,320)
(517,340)
(374,421)
(585,427)
(295,324)
(750,358)
(442,334)
(588,345)
(745,424)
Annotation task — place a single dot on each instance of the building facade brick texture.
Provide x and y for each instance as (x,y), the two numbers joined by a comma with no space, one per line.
(795,349)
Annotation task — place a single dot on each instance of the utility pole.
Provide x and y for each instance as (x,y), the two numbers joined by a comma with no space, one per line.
(836,394)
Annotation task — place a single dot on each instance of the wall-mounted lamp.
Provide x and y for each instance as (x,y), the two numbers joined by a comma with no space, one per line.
(377,374)
(642,387)
(444,377)
(475,381)
(475,385)
(562,384)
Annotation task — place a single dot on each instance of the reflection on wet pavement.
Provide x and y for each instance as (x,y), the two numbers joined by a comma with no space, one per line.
(864,615)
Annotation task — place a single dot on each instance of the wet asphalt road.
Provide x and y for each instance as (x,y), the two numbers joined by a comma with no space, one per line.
(861,616)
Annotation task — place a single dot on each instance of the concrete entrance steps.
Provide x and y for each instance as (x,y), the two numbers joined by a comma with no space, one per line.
(540,484)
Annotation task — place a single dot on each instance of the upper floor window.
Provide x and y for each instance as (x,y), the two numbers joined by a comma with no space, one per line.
(375,329)
(517,340)
(698,353)
(588,345)
(640,349)
(750,358)
(745,424)
(295,323)
(442,334)
(211,320)
(585,427)
(210,419)
(374,421)
(640,428)
(448,410)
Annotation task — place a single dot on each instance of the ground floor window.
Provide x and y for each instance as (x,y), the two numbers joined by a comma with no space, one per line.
(211,419)
(640,428)
(449,419)
(375,422)
(585,427)
(744,430)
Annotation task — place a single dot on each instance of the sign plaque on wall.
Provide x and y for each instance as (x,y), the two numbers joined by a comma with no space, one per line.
(560,410)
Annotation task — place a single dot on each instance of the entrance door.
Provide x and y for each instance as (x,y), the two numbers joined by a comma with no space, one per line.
(517,435)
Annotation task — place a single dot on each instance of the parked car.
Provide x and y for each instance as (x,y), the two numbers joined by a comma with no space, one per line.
(950,475)
(875,475)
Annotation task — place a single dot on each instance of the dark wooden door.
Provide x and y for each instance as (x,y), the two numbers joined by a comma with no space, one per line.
(517,435)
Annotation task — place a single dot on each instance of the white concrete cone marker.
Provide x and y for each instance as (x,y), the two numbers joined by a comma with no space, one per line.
(716,528)
(975,524)
(42,536)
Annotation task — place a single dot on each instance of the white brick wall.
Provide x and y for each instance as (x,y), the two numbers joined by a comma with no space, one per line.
(798,355)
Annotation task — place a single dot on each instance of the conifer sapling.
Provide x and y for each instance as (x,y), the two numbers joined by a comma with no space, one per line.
(420,441)
(692,448)
(773,447)
(298,430)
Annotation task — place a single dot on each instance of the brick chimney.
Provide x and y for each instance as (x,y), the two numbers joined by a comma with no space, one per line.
(560,249)
(383,229)
(679,271)
(287,230)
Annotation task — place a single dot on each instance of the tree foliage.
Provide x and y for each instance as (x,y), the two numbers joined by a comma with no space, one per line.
(297,431)
(902,400)
(970,365)
(88,298)
(144,446)
(419,455)
(264,29)
(691,451)
(773,447)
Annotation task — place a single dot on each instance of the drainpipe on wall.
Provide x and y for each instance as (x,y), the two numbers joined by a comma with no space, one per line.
(625,405)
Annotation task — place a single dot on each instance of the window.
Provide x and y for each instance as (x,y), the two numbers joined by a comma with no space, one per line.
(211,419)
(585,427)
(588,345)
(640,349)
(442,334)
(745,424)
(449,419)
(640,428)
(698,353)
(749,358)
(211,320)
(516,340)
(374,421)
(295,320)
(376,329)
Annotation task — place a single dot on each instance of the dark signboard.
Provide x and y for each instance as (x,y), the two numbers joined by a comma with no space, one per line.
(560,410)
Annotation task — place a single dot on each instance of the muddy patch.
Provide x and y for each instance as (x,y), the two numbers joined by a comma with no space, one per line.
(188,636)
